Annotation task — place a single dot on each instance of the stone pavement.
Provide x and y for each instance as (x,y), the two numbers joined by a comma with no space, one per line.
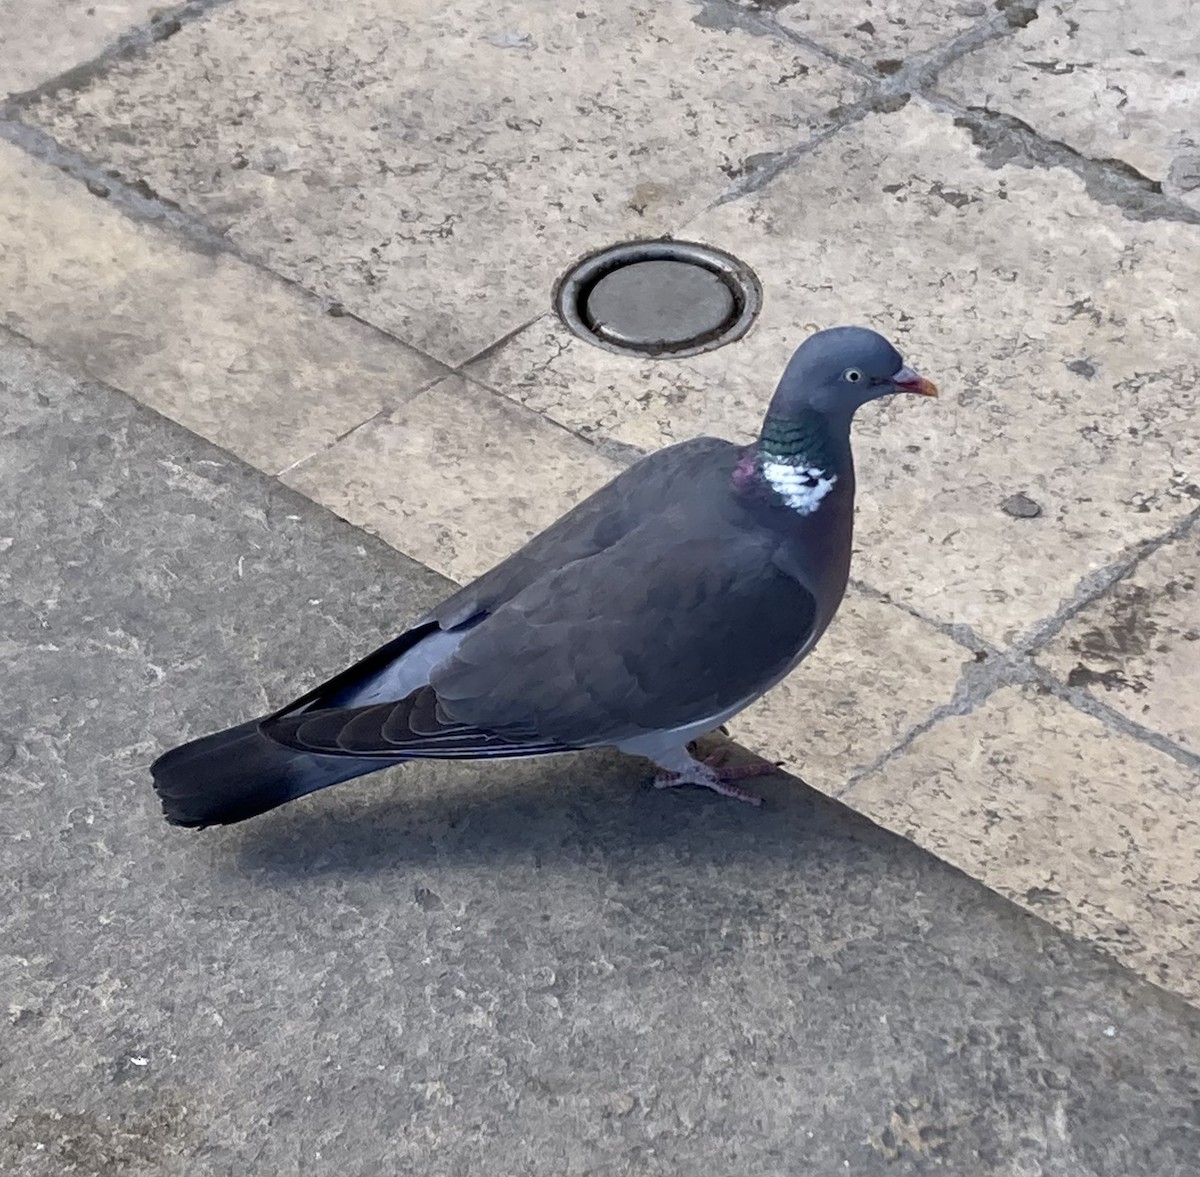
(534,968)
(325,239)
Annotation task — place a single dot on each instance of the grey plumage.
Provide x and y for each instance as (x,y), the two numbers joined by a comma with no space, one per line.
(658,607)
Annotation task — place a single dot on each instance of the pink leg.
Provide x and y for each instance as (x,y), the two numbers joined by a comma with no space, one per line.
(719,778)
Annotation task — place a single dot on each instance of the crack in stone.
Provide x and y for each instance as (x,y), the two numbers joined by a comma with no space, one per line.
(889,93)
(769,165)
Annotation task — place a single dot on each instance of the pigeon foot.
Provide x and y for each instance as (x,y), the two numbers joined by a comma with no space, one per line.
(720,780)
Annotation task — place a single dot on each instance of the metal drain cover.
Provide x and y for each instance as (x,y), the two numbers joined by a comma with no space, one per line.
(659,298)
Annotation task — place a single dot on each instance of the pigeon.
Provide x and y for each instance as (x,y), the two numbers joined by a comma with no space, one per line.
(644,618)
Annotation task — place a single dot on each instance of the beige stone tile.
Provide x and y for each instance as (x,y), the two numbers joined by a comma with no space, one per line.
(1065,339)
(43,38)
(435,166)
(875,675)
(234,354)
(883,31)
(456,478)
(1111,80)
(1089,829)
(1137,648)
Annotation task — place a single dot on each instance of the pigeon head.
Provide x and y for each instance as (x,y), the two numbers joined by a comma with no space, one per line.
(835,372)
(803,451)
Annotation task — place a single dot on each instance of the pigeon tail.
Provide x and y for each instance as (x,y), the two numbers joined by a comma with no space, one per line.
(240,773)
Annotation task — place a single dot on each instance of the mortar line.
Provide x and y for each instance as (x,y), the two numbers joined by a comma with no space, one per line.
(1107,181)
(165,23)
(1089,589)
(411,395)
(493,347)
(957,632)
(1016,667)
(977,682)
(1083,700)
(886,95)
(616,451)
(140,203)
(1095,584)
(779,162)
(724,15)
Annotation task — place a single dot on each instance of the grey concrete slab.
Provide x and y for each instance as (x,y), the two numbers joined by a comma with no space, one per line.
(537,969)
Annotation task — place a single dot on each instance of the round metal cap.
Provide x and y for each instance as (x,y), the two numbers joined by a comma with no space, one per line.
(659,298)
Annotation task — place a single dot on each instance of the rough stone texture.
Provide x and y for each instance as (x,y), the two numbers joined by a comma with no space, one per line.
(535,969)
(876,674)
(457,478)
(1135,648)
(881,33)
(43,38)
(1110,80)
(234,353)
(1064,338)
(1092,830)
(435,166)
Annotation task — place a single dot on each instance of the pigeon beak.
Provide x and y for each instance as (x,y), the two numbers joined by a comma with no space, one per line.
(906,380)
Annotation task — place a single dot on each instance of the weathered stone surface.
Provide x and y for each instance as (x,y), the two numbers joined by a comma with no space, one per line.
(436,166)
(1064,337)
(1095,832)
(1113,81)
(1137,648)
(231,352)
(457,478)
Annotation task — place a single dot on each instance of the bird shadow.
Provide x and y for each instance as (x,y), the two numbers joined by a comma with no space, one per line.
(571,807)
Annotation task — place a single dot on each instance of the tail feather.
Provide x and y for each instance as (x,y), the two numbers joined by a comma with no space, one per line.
(240,773)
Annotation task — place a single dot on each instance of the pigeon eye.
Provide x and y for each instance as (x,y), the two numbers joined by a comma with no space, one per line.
(853,375)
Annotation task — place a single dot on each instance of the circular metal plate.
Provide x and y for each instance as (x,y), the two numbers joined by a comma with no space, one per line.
(659,298)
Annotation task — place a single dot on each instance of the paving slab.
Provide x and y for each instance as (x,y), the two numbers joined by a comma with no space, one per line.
(1063,337)
(44,38)
(226,349)
(1095,831)
(1135,648)
(434,167)
(457,478)
(535,968)
(1113,81)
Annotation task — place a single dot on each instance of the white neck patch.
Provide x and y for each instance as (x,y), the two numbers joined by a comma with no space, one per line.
(801,487)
